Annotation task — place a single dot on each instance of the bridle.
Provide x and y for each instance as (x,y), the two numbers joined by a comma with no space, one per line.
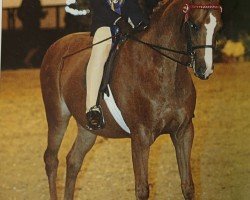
(190,52)
(189,26)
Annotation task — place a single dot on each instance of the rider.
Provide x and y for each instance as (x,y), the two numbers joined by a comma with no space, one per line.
(107,14)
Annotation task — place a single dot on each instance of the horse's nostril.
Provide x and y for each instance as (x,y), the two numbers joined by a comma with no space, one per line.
(199,72)
(202,75)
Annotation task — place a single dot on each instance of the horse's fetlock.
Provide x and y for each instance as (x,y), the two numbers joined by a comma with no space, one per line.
(188,190)
(142,192)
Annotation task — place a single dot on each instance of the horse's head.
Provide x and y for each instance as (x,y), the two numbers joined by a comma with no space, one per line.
(202,21)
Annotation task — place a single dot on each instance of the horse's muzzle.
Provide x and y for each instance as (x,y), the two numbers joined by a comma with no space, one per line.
(203,75)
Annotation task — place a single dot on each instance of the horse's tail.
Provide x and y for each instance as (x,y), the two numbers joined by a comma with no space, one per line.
(53,65)
(50,78)
(51,68)
(53,61)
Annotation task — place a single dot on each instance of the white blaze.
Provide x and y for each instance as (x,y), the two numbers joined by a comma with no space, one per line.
(209,41)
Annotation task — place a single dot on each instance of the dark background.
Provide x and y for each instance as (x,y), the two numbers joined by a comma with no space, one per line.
(15,44)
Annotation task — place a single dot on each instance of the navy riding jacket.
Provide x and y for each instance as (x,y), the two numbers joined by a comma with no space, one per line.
(103,15)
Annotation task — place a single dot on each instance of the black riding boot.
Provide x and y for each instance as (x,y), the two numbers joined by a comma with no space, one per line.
(95,119)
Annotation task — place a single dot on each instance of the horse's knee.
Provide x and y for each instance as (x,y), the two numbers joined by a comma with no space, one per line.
(142,192)
(188,190)
(73,166)
(51,161)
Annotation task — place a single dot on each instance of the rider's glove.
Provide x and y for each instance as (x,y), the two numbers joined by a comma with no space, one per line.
(142,26)
(125,27)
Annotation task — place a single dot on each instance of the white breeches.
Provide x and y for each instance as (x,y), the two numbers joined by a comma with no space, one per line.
(99,55)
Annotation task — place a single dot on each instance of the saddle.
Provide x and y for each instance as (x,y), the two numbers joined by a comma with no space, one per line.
(109,65)
(105,91)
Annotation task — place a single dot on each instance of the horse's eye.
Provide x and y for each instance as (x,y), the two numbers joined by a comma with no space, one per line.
(195,27)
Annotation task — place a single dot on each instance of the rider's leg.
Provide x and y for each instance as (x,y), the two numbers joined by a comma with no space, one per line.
(96,64)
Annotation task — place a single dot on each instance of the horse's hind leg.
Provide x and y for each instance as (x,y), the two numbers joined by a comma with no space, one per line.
(182,141)
(57,124)
(83,143)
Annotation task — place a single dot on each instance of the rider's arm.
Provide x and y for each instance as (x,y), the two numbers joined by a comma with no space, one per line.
(102,10)
(134,13)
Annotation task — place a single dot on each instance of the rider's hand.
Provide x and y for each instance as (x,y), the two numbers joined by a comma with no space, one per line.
(142,26)
(125,27)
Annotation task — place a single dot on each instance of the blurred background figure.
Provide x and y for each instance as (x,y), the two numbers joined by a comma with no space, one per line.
(77,17)
(233,51)
(30,13)
(230,11)
(236,29)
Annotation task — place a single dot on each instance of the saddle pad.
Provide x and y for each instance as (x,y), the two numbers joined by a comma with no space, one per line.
(114,110)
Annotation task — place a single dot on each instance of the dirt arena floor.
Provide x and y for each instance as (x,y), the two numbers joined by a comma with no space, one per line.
(220,156)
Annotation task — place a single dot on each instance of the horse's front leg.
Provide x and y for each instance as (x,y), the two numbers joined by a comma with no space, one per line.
(140,154)
(183,140)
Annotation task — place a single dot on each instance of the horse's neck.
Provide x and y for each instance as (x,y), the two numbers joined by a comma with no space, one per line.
(166,26)
(166,31)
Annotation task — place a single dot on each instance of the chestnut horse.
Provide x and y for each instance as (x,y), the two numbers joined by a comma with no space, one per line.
(155,94)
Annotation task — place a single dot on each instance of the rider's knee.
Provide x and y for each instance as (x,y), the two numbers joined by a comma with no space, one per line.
(102,33)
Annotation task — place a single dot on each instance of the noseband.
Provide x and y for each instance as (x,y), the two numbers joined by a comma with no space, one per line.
(189,26)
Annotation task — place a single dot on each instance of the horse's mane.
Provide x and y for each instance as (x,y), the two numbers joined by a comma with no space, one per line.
(164,5)
(160,8)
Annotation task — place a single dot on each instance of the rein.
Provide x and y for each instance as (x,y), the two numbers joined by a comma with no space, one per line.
(157,48)
(188,24)
(90,46)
